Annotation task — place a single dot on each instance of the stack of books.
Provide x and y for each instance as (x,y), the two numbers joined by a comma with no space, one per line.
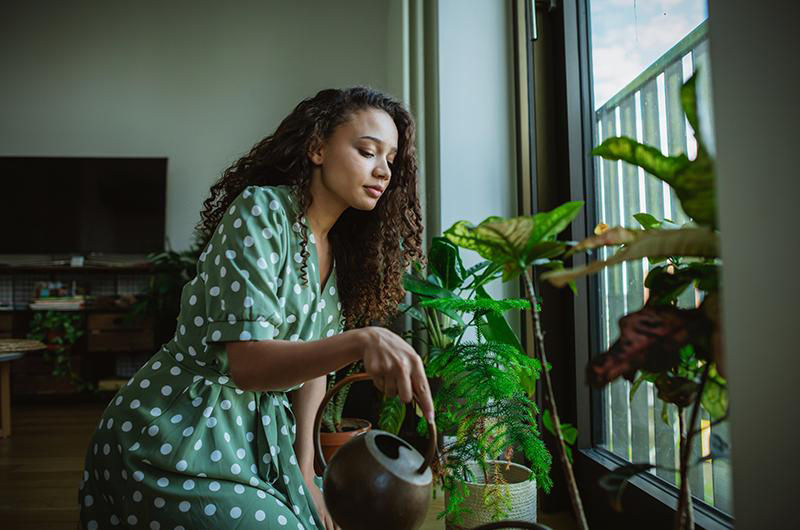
(59,303)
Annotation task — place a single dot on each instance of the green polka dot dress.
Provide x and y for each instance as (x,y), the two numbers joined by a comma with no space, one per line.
(180,446)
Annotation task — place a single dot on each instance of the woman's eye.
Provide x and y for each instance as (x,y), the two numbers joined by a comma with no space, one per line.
(366,154)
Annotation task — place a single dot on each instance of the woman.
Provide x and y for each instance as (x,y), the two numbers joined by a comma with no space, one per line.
(203,435)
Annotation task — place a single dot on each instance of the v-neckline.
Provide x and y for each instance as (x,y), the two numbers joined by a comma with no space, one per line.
(319,269)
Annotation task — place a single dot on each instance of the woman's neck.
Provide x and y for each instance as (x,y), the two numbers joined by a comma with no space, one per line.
(325,209)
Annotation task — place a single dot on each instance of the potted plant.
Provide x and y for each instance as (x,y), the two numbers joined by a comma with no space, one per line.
(59,330)
(516,246)
(482,387)
(171,271)
(335,430)
(678,350)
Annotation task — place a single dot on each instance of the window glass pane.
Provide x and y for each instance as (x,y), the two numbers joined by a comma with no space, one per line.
(642,52)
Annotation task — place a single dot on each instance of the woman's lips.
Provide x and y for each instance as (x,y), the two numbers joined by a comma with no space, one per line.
(373,192)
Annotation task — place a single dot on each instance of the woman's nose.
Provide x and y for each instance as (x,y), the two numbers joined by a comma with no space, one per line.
(383,170)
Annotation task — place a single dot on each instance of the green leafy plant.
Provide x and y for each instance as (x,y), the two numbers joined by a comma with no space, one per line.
(678,350)
(60,330)
(516,246)
(171,270)
(483,381)
(332,414)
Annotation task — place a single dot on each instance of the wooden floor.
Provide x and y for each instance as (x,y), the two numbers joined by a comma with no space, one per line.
(41,464)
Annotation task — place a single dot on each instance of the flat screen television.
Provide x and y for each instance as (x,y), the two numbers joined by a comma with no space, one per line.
(82,206)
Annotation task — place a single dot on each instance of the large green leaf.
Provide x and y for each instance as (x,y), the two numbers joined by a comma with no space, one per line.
(698,242)
(413,312)
(648,158)
(568,432)
(547,225)
(497,328)
(695,188)
(485,275)
(392,414)
(666,286)
(693,181)
(496,239)
(647,221)
(424,287)
(516,242)
(477,268)
(715,395)
(445,262)
(689,104)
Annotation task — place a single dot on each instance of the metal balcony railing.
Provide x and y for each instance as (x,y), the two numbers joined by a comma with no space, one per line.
(649,110)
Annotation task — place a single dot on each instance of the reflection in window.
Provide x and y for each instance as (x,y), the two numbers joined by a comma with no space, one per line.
(642,52)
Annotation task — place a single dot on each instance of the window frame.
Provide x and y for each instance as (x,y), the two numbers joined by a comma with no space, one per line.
(648,498)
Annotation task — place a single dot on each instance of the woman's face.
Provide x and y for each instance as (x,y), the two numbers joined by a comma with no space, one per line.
(355,162)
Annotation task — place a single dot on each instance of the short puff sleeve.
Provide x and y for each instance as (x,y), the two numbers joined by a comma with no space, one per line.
(240,267)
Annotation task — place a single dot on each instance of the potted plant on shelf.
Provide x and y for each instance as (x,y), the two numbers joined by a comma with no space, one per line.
(482,387)
(171,270)
(59,331)
(678,350)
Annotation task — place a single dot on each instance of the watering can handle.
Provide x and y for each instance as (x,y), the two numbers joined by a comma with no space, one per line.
(429,454)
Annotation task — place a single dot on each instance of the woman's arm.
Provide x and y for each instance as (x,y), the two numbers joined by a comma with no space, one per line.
(270,365)
(305,405)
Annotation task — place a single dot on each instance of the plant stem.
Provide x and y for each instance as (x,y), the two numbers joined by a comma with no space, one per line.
(574,494)
(433,328)
(684,515)
(684,487)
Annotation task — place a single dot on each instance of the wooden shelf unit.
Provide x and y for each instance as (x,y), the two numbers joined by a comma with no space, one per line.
(111,341)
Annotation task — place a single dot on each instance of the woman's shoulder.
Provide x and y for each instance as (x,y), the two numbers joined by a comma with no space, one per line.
(276,198)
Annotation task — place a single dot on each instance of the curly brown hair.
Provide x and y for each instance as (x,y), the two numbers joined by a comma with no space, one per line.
(373,248)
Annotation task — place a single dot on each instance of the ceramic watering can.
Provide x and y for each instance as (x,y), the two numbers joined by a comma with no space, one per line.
(376,480)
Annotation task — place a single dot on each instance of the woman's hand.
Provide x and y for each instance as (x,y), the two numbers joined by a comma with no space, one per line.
(319,502)
(395,367)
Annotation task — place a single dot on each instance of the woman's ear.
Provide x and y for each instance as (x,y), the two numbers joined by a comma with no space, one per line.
(316,152)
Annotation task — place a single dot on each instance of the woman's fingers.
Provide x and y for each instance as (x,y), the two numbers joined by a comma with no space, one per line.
(390,387)
(404,386)
(422,391)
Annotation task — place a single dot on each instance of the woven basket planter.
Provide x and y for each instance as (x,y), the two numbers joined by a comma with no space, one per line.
(522,491)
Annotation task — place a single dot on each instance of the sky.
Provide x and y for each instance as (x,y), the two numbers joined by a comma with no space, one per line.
(629,35)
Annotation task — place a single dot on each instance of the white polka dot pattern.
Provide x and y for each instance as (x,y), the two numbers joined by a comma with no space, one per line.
(181,419)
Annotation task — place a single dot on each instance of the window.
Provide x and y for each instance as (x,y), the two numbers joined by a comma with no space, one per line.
(641,53)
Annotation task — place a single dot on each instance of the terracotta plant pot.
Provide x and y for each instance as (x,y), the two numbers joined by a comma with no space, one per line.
(332,441)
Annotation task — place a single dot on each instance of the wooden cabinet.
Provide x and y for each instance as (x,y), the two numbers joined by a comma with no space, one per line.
(6,325)
(114,341)
(117,332)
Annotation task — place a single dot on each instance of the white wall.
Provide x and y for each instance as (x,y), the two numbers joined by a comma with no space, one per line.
(755,67)
(476,118)
(198,81)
